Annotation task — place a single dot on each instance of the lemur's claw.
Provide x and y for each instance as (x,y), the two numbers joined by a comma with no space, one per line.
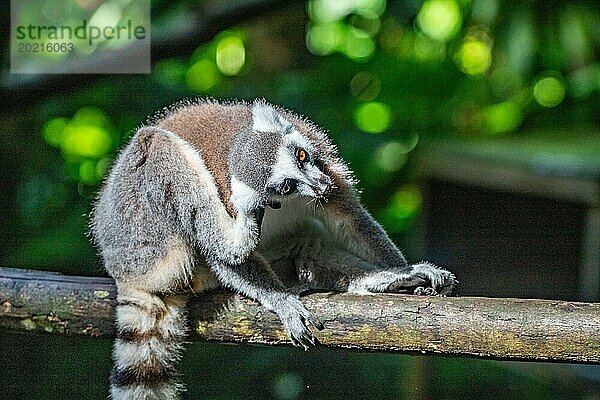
(316,323)
(425,291)
(295,318)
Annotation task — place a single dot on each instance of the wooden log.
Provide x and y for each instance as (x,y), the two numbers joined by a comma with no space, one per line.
(501,328)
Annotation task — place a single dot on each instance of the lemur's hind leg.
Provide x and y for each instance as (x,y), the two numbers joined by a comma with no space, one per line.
(322,265)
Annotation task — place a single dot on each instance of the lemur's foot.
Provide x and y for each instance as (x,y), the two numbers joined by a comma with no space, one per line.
(421,279)
(296,318)
(425,279)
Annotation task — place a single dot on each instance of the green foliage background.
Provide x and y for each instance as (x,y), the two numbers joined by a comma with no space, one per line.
(383,77)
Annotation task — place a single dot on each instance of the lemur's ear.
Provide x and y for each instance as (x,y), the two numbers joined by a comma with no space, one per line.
(266,119)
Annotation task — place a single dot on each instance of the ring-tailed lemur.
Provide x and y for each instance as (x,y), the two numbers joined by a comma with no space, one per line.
(224,193)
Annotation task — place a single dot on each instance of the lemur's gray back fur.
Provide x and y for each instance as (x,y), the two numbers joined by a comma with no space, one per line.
(182,211)
(129,234)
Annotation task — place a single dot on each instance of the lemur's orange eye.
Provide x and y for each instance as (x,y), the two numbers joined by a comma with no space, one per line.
(302,156)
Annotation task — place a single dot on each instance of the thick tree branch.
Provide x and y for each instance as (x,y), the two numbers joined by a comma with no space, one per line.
(484,327)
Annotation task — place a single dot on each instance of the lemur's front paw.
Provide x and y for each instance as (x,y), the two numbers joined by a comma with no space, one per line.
(295,318)
(435,281)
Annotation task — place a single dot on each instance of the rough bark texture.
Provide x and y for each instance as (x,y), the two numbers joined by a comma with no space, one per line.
(484,327)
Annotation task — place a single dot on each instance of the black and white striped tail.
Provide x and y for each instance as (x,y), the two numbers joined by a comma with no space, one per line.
(150,334)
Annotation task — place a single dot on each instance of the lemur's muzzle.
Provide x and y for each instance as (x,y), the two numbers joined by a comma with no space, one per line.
(321,185)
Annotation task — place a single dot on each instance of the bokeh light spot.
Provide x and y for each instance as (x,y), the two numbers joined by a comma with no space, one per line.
(323,39)
(169,72)
(549,91)
(403,209)
(288,386)
(474,57)
(391,156)
(484,11)
(367,7)
(373,117)
(85,140)
(102,167)
(426,49)
(336,10)
(87,172)
(329,11)
(583,81)
(53,131)
(368,22)
(365,86)
(502,117)
(358,45)
(91,116)
(202,76)
(440,19)
(230,55)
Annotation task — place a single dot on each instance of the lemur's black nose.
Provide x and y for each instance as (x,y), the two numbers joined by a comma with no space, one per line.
(289,186)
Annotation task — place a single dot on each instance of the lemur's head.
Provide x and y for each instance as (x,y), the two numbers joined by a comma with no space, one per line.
(277,160)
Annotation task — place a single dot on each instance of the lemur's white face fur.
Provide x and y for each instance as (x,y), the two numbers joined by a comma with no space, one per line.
(297,169)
